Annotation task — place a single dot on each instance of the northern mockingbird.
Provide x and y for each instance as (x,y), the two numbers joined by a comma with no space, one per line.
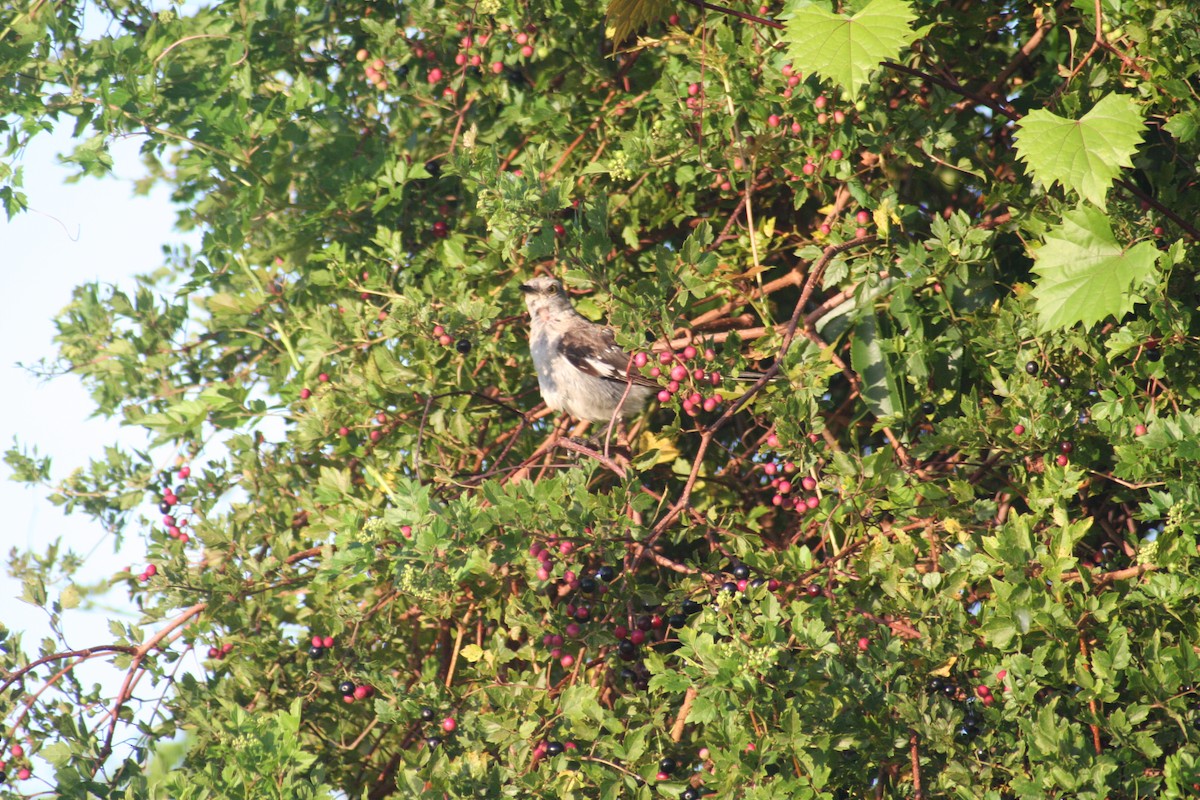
(580,368)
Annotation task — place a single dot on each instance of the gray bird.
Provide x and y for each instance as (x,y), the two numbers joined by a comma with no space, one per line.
(580,368)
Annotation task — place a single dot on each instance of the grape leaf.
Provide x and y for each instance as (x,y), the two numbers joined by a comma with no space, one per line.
(1083,155)
(626,16)
(1085,274)
(846,50)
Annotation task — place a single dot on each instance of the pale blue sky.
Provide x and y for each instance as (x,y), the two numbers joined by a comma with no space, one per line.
(91,230)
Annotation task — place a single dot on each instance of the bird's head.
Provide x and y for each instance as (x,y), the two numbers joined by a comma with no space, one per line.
(544,295)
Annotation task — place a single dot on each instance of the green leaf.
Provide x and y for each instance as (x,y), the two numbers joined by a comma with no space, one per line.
(626,16)
(870,362)
(1184,126)
(1085,274)
(847,49)
(1084,155)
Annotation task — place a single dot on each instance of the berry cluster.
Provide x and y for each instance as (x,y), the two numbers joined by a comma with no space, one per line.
(170,505)
(448,725)
(219,652)
(23,773)
(351,691)
(673,365)
(319,645)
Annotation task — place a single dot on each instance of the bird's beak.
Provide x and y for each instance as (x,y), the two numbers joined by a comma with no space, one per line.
(526,288)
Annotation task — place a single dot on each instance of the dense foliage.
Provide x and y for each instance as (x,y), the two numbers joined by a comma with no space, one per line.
(950,550)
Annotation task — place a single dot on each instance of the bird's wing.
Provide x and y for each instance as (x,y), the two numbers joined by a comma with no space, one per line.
(593,350)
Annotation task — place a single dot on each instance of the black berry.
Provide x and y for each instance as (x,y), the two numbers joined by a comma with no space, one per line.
(316,652)
(667,765)
(426,713)
(1031,367)
(463,346)
(346,687)
(554,748)
(605,573)
(740,571)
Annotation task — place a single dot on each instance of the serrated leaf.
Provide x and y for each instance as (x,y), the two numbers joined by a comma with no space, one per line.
(626,16)
(847,49)
(1083,155)
(1183,126)
(1085,274)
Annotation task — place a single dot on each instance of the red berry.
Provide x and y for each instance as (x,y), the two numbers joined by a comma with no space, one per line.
(522,38)
(323,377)
(864,643)
(448,724)
(1139,430)
(862,217)
(497,67)
(150,571)
(1018,429)
(527,51)
(362,692)
(620,631)
(23,774)
(1062,460)
(836,154)
(305,393)
(983,691)
(362,55)
(820,102)
(343,431)
(435,75)
(773,120)
(559,230)
(17,751)
(567,660)
(672,20)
